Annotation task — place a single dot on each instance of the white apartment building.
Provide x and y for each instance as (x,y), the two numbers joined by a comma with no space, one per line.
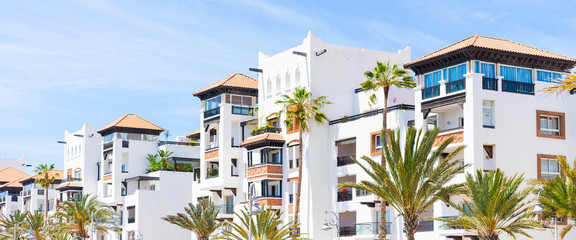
(486,93)
(10,189)
(34,196)
(19,164)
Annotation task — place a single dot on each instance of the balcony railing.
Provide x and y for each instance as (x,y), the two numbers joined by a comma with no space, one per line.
(443,226)
(455,86)
(242,110)
(370,228)
(518,87)
(490,83)
(345,195)
(107,145)
(193,144)
(212,112)
(225,209)
(345,160)
(425,226)
(429,92)
(265,129)
(65,180)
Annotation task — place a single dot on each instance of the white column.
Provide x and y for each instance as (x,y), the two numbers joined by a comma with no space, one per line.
(442,87)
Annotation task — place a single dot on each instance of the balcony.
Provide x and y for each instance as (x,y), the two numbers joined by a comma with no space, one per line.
(212,112)
(443,226)
(345,160)
(425,226)
(107,145)
(370,228)
(242,110)
(429,92)
(265,129)
(490,83)
(518,87)
(212,173)
(65,180)
(344,194)
(455,86)
(225,209)
(191,144)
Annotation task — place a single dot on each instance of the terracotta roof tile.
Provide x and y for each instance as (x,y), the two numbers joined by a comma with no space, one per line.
(51,174)
(197,132)
(132,121)
(494,44)
(10,174)
(68,184)
(458,138)
(14,183)
(263,137)
(235,80)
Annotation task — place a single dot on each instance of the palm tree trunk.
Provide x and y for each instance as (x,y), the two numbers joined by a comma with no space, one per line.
(46,206)
(410,227)
(299,187)
(384,138)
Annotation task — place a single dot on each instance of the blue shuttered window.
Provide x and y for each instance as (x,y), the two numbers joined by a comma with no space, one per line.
(488,69)
(516,74)
(432,79)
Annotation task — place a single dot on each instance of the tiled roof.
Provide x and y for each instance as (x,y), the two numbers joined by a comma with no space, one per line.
(458,138)
(132,121)
(68,185)
(10,174)
(237,80)
(197,132)
(50,174)
(14,183)
(263,137)
(494,44)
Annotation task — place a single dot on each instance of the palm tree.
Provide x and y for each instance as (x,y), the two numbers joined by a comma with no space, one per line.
(417,176)
(568,85)
(46,178)
(199,218)
(9,222)
(301,109)
(384,76)
(266,226)
(154,164)
(559,194)
(76,216)
(38,224)
(497,205)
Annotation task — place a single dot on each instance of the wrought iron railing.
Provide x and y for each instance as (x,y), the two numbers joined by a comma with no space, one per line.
(265,129)
(518,87)
(371,113)
(490,83)
(242,110)
(455,86)
(161,143)
(212,112)
(429,92)
(370,228)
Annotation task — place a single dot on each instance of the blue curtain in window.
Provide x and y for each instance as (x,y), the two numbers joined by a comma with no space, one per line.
(543,76)
(452,74)
(432,79)
(509,73)
(557,77)
(524,75)
(461,71)
(488,69)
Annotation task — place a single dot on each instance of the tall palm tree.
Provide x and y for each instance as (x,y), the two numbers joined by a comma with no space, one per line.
(497,205)
(301,109)
(384,76)
(199,218)
(9,222)
(46,178)
(559,195)
(567,85)
(417,176)
(266,226)
(76,216)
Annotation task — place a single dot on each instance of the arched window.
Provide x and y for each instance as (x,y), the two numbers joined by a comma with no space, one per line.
(278,85)
(78,173)
(268,87)
(287,83)
(297,76)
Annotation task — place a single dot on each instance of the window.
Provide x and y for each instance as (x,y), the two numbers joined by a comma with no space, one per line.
(78,173)
(432,79)
(293,154)
(488,152)
(131,214)
(432,121)
(239,100)
(376,143)
(278,85)
(297,78)
(287,82)
(548,166)
(455,73)
(212,103)
(488,113)
(544,76)
(516,74)
(488,69)
(268,87)
(294,127)
(213,136)
(550,124)
(273,122)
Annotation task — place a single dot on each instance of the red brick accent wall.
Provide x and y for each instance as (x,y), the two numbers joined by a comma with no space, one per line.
(211,154)
(270,202)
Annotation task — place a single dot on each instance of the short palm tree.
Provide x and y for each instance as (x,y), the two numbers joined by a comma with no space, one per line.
(567,85)
(265,226)
(46,178)
(384,76)
(156,164)
(9,222)
(76,216)
(417,176)
(559,195)
(199,218)
(39,224)
(497,205)
(301,109)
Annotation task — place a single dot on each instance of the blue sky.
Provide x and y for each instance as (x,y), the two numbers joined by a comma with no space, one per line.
(63,63)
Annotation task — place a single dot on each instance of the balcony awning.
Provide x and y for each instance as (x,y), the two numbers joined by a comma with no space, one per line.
(69,186)
(142,178)
(345,141)
(262,140)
